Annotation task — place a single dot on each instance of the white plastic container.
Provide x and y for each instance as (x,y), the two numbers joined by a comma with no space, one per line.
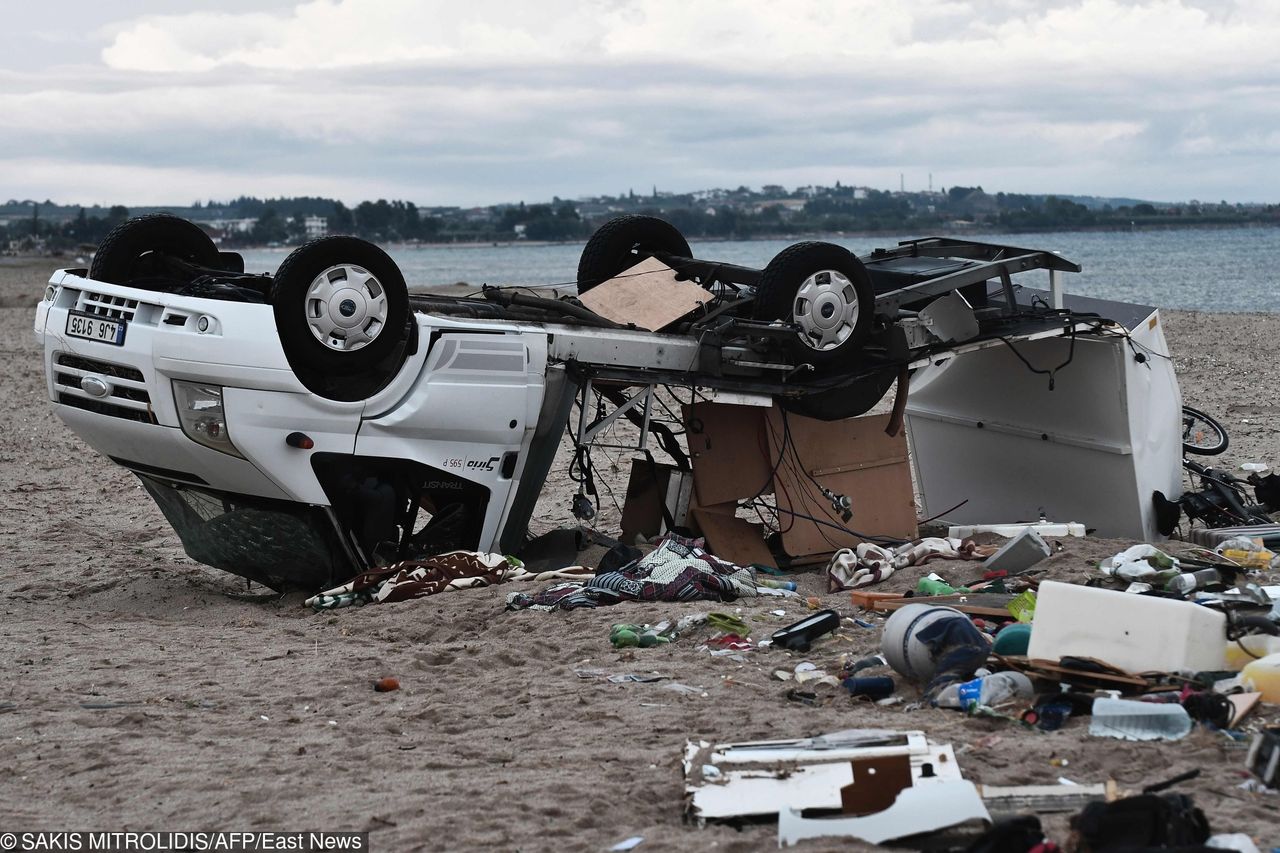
(1131,720)
(1263,676)
(1134,632)
(1256,646)
(1018,554)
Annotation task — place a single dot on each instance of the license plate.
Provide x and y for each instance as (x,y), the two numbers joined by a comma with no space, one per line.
(93,328)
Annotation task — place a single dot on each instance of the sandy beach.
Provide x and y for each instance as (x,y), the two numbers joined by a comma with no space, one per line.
(142,690)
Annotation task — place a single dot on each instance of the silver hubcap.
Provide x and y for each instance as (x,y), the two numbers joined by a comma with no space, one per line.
(826,309)
(346,307)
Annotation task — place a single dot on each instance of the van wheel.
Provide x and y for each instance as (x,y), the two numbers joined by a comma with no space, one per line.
(132,253)
(825,291)
(341,306)
(622,243)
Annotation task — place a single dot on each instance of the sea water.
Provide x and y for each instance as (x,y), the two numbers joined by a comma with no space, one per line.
(1206,269)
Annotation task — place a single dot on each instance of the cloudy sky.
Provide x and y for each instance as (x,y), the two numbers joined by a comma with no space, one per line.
(153,102)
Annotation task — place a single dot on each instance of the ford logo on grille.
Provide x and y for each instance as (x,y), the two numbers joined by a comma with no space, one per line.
(94,387)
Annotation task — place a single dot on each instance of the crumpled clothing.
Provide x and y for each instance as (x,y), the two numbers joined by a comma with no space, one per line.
(870,563)
(418,578)
(958,649)
(678,569)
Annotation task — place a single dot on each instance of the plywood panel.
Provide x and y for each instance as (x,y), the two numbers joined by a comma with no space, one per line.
(853,457)
(647,295)
(730,457)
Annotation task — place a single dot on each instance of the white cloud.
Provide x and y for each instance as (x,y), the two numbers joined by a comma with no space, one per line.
(488,100)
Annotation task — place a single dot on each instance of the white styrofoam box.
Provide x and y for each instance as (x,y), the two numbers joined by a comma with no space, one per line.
(1137,633)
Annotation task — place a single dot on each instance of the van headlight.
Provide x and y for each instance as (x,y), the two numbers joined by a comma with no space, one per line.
(202,417)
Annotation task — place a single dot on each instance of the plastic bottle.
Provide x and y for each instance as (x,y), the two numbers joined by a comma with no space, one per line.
(1263,676)
(771,583)
(1130,720)
(1255,646)
(989,691)
(1191,581)
(874,686)
(933,585)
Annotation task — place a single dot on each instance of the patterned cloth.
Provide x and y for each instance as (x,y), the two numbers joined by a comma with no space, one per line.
(868,563)
(419,578)
(677,570)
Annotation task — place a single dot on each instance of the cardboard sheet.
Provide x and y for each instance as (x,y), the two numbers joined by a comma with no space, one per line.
(731,538)
(647,295)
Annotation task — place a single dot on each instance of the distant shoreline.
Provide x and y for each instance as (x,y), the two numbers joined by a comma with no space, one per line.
(815,235)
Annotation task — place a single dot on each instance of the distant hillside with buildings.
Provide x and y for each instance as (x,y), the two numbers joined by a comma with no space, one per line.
(742,213)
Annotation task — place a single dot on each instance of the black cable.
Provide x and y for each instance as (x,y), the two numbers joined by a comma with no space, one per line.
(1051,372)
(945,512)
(876,538)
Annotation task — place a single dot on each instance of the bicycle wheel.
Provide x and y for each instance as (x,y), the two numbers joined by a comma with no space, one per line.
(1201,434)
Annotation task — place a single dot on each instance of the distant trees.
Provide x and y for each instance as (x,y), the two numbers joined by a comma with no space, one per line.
(270,228)
(543,221)
(774,211)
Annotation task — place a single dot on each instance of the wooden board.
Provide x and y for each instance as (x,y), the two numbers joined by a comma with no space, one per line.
(647,295)
(970,605)
(852,457)
(731,538)
(729,456)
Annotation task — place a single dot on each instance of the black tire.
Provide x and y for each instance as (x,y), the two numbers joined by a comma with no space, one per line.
(297,308)
(125,254)
(846,401)
(804,264)
(622,243)
(1201,434)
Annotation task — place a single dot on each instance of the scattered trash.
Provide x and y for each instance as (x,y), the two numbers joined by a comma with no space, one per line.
(1142,822)
(728,624)
(1023,607)
(799,636)
(632,678)
(856,771)
(1263,760)
(932,584)
(989,691)
(1045,799)
(730,642)
(1012,639)
(684,689)
(873,687)
(628,843)
(419,578)
(938,645)
(1131,720)
(1237,841)
(387,684)
(1019,554)
(1049,716)
(917,809)
(626,635)
(679,569)
(1263,676)
(771,583)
